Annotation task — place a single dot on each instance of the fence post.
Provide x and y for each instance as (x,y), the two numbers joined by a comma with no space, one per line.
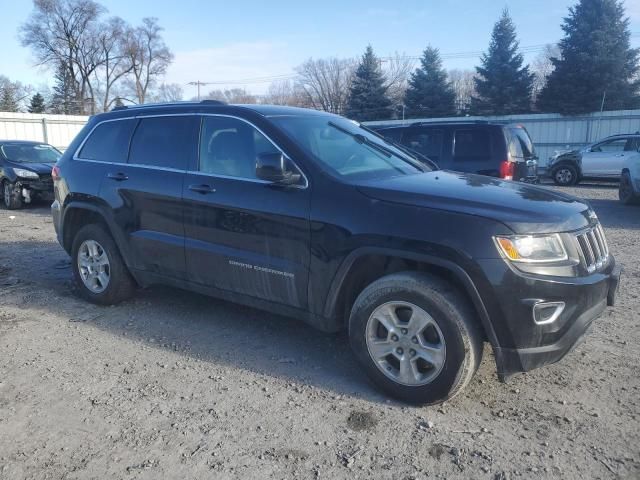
(45,134)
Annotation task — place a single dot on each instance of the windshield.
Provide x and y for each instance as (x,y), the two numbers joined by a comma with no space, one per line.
(346,149)
(26,153)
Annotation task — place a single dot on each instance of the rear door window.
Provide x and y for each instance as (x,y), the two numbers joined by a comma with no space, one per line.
(109,141)
(471,145)
(165,142)
(429,142)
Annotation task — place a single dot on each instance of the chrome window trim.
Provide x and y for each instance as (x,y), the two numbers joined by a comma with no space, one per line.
(193,172)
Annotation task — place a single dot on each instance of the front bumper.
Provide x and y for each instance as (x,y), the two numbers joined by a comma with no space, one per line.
(523,344)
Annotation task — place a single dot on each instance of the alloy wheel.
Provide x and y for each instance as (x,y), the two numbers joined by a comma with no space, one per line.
(406,343)
(94,267)
(564,176)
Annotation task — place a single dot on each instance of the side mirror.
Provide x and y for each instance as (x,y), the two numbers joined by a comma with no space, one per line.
(272,168)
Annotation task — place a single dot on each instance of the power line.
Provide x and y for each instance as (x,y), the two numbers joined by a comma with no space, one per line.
(527,49)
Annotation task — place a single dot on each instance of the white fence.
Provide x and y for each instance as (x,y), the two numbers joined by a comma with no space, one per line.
(57,130)
(551,132)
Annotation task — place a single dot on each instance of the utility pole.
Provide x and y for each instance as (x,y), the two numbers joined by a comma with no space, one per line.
(198,83)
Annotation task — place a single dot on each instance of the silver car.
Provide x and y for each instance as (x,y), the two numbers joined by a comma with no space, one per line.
(601,160)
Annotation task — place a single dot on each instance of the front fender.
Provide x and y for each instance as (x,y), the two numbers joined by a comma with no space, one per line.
(330,309)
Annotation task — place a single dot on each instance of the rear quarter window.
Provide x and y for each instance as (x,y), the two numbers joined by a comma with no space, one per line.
(109,141)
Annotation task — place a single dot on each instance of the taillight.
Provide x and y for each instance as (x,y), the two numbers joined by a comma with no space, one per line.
(507,169)
(55,173)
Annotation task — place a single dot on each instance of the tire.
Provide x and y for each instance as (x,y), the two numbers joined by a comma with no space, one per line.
(625,191)
(565,175)
(10,197)
(456,335)
(119,285)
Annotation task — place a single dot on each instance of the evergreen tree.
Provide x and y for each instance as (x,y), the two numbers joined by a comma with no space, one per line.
(596,62)
(37,104)
(64,99)
(8,101)
(503,85)
(429,94)
(118,103)
(368,98)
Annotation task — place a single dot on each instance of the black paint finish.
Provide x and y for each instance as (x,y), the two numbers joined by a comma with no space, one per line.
(295,249)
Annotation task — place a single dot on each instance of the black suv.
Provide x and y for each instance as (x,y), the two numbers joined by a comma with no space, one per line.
(307,214)
(494,149)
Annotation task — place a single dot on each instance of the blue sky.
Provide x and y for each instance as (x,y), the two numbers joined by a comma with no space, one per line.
(246,39)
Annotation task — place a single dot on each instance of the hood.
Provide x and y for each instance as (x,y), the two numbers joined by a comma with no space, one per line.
(522,207)
(39,168)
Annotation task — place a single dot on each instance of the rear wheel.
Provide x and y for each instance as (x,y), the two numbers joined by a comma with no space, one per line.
(625,191)
(98,269)
(11,196)
(416,337)
(565,175)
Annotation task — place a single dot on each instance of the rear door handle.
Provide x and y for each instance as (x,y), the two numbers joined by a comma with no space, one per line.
(204,189)
(118,177)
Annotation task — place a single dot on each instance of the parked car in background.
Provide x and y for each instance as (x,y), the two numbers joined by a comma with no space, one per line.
(308,214)
(25,171)
(494,149)
(602,160)
(629,190)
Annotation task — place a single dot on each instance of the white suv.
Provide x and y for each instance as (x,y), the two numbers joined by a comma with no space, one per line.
(629,191)
(601,160)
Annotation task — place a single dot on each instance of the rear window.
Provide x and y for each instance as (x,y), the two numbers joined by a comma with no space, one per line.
(109,142)
(471,145)
(166,142)
(520,144)
(427,142)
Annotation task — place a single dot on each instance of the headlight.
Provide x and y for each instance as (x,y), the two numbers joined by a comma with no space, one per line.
(532,248)
(22,173)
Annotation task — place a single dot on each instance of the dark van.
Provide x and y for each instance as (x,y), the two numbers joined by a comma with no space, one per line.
(497,150)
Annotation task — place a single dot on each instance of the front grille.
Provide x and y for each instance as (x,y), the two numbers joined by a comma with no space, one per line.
(593,248)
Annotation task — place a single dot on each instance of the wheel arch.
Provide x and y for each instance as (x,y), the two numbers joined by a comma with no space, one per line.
(78,213)
(367,264)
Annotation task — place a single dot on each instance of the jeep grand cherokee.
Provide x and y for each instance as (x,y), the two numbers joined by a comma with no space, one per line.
(307,214)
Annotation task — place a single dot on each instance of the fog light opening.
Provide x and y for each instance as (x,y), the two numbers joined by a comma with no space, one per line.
(545,313)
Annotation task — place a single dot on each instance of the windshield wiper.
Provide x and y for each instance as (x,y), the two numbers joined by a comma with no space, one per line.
(364,140)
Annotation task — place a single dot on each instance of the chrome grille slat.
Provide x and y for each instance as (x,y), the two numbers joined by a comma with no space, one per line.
(593,248)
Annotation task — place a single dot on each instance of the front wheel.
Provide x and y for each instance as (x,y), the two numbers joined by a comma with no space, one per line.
(416,337)
(625,191)
(565,175)
(11,198)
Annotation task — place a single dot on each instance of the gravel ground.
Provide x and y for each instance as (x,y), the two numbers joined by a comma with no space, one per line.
(177,385)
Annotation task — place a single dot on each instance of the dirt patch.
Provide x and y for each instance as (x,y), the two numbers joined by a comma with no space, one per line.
(360,421)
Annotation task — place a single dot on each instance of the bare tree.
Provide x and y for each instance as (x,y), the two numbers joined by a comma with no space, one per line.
(168,92)
(115,65)
(541,67)
(63,32)
(326,82)
(148,55)
(233,95)
(397,70)
(13,95)
(285,92)
(464,88)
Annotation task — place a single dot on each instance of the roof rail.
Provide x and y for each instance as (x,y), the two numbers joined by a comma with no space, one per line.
(163,104)
(440,122)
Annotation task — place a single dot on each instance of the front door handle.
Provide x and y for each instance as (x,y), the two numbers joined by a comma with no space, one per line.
(203,189)
(118,177)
